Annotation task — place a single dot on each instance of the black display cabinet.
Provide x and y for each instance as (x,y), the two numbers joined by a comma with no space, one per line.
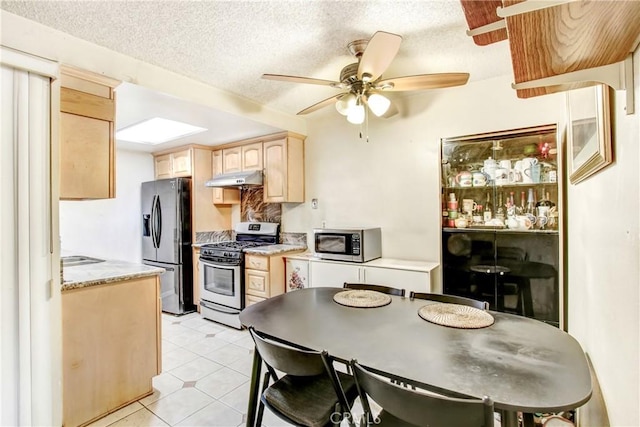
(501,221)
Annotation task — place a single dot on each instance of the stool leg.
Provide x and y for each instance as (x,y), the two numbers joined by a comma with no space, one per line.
(526,298)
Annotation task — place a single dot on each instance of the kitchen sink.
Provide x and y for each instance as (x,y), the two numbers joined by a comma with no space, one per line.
(73,260)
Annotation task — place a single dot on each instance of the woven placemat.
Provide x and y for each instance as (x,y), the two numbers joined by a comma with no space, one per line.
(362,298)
(456,316)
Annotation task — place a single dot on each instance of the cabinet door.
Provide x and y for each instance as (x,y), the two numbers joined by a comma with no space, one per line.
(181,163)
(297,274)
(284,170)
(232,160)
(86,160)
(257,283)
(163,166)
(87,145)
(417,281)
(333,274)
(251,299)
(223,196)
(257,262)
(252,156)
(275,171)
(111,346)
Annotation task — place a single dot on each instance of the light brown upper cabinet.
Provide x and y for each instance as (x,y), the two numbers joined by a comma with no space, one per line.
(232,160)
(284,170)
(199,163)
(223,196)
(87,149)
(173,165)
(252,157)
(242,158)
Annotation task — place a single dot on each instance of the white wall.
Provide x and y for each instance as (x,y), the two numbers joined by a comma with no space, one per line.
(604,267)
(109,228)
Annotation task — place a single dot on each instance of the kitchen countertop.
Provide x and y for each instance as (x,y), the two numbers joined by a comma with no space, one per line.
(400,264)
(274,249)
(108,271)
(200,244)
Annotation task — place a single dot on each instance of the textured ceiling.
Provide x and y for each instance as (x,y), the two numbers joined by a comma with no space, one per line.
(230,44)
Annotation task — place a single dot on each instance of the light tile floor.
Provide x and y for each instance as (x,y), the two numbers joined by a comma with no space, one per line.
(206,371)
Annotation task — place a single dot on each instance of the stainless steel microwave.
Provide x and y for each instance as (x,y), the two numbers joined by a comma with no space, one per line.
(352,244)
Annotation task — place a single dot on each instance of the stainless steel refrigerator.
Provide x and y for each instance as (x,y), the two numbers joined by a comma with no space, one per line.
(166,240)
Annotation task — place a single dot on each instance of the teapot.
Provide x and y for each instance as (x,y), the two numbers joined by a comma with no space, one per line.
(489,168)
(464,179)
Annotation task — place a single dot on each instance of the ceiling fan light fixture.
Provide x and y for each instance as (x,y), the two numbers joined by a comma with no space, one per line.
(378,104)
(345,103)
(356,113)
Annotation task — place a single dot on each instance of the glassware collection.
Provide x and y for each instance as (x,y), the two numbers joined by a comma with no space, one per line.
(501,184)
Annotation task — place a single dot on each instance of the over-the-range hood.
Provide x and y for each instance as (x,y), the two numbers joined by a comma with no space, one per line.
(236,179)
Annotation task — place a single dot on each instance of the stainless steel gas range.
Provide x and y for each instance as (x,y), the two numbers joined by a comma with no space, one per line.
(222,271)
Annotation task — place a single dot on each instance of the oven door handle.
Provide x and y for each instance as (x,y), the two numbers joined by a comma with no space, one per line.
(219,308)
(217,265)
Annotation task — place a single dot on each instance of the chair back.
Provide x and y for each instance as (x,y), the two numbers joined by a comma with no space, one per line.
(418,408)
(288,359)
(451,299)
(378,288)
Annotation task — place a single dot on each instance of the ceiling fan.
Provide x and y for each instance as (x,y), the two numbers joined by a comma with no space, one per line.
(363,80)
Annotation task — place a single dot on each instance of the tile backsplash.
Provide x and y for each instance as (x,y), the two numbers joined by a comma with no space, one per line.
(212,236)
(253,207)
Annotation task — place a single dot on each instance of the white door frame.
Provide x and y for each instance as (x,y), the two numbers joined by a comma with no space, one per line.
(30,299)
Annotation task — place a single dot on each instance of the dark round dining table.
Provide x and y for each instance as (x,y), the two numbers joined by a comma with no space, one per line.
(523,364)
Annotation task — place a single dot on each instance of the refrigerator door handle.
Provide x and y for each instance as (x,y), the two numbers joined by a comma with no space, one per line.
(153,221)
(159,221)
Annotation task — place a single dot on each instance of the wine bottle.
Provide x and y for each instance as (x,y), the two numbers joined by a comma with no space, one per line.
(488,208)
(511,205)
(500,208)
(531,204)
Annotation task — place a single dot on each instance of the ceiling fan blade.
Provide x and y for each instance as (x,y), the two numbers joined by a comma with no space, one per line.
(379,53)
(422,81)
(306,80)
(321,104)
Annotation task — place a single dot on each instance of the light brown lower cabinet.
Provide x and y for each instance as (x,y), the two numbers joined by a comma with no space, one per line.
(111,346)
(263,277)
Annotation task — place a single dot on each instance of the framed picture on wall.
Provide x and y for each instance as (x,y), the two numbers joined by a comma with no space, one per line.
(588,131)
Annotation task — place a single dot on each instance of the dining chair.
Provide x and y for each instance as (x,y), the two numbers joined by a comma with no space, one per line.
(310,393)
(451,299)
(405,407)
(378,288)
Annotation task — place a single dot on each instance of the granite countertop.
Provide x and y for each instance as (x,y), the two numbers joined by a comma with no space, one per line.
(200,244)
(108,271)
(274,249)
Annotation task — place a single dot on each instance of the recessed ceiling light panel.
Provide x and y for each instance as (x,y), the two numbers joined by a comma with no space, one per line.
(156,131)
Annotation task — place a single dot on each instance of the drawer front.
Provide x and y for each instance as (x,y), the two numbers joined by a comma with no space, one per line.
(257,283)
(256,262)
(250,300)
